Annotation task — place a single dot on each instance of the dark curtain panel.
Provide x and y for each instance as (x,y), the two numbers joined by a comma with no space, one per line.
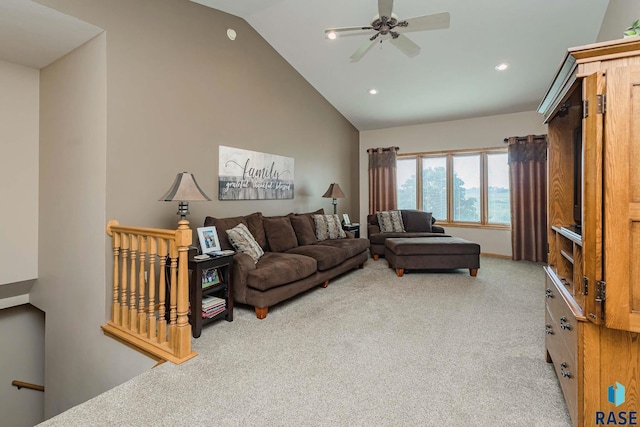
(382,179)
(528,182)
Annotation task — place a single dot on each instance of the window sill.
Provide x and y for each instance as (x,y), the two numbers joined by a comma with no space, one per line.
(474,225)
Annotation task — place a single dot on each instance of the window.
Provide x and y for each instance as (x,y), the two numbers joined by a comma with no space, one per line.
(434,186)
(466,187)
(406,181)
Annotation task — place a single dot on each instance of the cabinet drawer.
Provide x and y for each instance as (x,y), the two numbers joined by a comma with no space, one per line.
(565,322)
(565,365)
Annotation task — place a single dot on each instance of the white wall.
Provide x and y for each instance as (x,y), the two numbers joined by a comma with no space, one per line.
(19,94)
(21,358)
(482,132)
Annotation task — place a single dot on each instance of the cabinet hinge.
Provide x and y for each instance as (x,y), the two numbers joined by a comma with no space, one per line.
(585,285)
(585,108)
(601,108)
(601,291)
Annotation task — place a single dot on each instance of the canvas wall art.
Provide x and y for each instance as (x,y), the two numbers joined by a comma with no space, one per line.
(251,175)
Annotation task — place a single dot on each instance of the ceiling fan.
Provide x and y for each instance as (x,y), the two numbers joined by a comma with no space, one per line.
(387,26)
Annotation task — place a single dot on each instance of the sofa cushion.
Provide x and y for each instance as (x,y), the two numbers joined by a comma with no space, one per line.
(243,241)
(415,220)
(390,221)
(303,225)
(280,234)
(326,256)
(379,238)
(222,225)
(255,226)
(328,227)
(351,247)
(277,269)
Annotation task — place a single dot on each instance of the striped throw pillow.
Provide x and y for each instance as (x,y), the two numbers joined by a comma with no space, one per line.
(328,227)
(242,240)
(390,221)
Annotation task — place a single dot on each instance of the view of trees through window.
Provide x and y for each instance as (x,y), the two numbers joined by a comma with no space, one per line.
(468,186)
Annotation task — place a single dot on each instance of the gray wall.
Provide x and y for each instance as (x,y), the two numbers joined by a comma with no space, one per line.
(22,338)
(174,89)
(620,14)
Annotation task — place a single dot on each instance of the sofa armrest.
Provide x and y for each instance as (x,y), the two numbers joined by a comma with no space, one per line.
(372,229)
(437,229)
(242,265)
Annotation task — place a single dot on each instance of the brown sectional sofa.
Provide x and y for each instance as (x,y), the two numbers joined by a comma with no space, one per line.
(416,224)
(293,261)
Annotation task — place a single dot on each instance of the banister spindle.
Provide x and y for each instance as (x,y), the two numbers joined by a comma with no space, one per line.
(133,324)
(115,305)
(162,292)
(151,319)
(142,285)
(124,312)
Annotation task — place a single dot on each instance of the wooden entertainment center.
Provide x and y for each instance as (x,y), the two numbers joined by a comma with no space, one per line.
(593,275)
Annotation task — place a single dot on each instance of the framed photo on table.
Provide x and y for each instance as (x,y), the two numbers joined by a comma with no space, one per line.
(208,237)
(345,219)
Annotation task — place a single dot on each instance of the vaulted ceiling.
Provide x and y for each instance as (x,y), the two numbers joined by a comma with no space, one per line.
(454,75)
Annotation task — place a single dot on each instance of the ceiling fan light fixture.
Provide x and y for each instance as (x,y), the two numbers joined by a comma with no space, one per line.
(502,66)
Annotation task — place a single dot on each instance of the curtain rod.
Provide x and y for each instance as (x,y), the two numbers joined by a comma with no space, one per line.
(524,137)
(369,150)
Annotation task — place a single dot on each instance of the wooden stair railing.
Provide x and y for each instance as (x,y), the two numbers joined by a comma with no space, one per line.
(138,317)
(22,384)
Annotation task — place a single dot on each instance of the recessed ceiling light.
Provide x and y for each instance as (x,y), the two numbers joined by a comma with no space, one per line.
(332,35)
(501,67)
(231,34)
(373,91)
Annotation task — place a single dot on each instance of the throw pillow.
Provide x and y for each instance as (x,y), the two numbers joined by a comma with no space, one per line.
(243,241)
(416,221)
(305,231)
(328,227)
(390,221)
(280,234)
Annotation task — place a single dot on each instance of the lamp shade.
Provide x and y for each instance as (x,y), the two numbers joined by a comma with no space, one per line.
(185,189)
(334,192)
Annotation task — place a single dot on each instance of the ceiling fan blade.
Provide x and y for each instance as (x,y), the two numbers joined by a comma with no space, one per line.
(385,7)
(358,54)
(407,47)
(436,21)
(339,30)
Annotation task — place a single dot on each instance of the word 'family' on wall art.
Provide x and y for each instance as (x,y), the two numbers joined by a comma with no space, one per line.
(250,175)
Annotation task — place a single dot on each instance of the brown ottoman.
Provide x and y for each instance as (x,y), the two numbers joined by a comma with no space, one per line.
(405,253)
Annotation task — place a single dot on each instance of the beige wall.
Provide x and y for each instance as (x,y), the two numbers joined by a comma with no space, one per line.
(620,14)
(21,358)
(176,89)
(482,132)
(80,362)
(19,94)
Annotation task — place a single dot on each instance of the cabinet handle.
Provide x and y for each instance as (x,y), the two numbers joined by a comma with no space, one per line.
(548,293)
(548,329)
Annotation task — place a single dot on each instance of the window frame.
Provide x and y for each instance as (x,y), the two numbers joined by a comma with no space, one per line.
(484,183)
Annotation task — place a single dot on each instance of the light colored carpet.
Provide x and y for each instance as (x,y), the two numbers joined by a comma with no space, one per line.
(372,349)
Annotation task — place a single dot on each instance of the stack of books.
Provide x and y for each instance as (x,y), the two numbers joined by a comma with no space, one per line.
(212,306)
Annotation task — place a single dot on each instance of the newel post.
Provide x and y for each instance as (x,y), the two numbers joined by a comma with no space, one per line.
(183,330)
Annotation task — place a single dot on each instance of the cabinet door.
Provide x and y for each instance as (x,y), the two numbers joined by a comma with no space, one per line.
(622,199)
(592,131)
